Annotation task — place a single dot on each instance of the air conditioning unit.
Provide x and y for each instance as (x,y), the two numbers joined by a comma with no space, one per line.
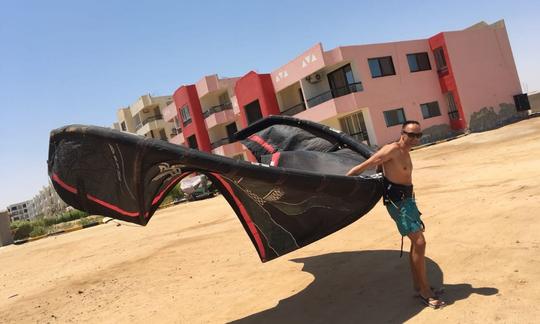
(314,78)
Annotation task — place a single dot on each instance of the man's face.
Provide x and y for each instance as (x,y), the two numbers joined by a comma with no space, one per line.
(411,134)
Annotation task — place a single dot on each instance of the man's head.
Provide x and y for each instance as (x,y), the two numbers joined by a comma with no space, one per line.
(411,132)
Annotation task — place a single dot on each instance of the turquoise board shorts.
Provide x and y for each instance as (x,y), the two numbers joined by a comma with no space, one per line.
(406,215)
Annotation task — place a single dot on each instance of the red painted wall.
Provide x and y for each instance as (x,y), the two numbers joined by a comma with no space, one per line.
(447,80)
(188,95)
(254,86)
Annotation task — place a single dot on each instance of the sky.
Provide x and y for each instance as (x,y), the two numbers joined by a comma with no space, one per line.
(77,62)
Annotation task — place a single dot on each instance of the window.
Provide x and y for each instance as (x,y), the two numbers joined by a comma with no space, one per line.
(394,117)
(418,62)
(184,113)
(224,98)
(381,66)
(452,108)
(430,109)
(231,129)
(439,59)
(162,134)
(253,112)
(341,81)
(192,142)
(123,126)
(355,126)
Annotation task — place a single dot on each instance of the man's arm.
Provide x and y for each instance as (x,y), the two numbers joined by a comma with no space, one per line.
(383,155)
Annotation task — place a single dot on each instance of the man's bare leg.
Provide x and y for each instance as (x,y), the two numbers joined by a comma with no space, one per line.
(418,265)
(416,281)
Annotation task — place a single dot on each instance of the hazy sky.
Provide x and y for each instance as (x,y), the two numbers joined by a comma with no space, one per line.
(65,62)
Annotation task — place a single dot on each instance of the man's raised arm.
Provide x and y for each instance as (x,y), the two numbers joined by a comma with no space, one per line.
(381,156)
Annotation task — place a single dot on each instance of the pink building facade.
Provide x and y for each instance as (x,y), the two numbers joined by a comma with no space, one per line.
(452,82)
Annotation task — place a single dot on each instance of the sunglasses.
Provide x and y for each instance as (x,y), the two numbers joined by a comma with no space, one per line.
(413,135)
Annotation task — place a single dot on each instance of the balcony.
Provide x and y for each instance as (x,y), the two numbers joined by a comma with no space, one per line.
(296,109)
(178,139)
(148,120)
(334,93)
(218,115)
(229,149)
(216,109)
(169,112)
(142,103)
(220,142)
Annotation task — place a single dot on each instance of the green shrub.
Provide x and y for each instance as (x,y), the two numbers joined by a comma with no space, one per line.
(37,227)
(174,194)
(38,230)
(23,230)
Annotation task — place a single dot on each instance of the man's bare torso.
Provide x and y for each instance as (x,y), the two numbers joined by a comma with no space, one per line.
(399,168)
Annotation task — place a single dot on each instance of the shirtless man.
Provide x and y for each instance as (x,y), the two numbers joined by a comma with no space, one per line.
(400,203)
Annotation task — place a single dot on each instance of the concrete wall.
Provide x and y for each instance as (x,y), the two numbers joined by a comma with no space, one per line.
(485,74)
(534,100)
(5,233)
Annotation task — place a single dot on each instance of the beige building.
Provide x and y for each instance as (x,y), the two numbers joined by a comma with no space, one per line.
(21,211)
(144,117)
(47,203)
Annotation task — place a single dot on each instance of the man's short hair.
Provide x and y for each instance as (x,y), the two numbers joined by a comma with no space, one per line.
(407,122)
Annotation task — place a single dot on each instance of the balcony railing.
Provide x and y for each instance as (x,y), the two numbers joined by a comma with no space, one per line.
(334,93)
(147,120)
(186,122)
(216,109)
(442,71)
(294,109)
(220,142)
(453,115)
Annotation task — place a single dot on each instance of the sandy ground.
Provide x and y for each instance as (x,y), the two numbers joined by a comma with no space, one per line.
(193,263)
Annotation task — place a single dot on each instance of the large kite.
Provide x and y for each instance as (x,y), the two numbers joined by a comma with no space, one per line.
(296,194)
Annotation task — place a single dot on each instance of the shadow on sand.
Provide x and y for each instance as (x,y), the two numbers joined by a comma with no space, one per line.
(359,287)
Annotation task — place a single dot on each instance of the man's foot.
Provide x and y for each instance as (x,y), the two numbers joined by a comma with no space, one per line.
(433,302)
(438,292)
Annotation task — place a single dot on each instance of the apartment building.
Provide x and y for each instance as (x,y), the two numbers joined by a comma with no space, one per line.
(21,211)
(205,115)
(452,82)
(144,117)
